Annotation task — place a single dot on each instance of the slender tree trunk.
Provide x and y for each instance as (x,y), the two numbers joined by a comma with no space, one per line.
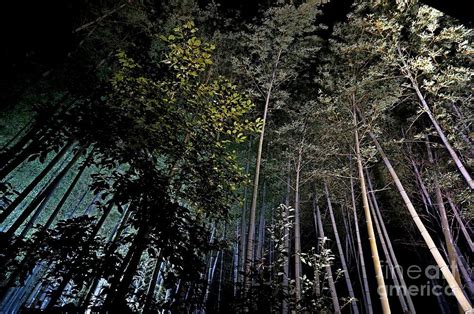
(68,192)
(117,297)
(461,298)
(286,234)
(298,274)
(51,218)
(466,272)
(243,222)
(422,185)
(465,128)
(381,289)
(25,139)
(350,244)
(332,286)
(253,207)
(114,237)
(33,184)
(115,281)
(44,195)
(235,262)
(438,128)
(152,286)
(210,277)
(15,155)
(461,224)
(448,239)
(317,282)
(261,227)
(379,220)
(400,289)
(368,299)
(350,289)
(219,289)
(366,289)
(59,291)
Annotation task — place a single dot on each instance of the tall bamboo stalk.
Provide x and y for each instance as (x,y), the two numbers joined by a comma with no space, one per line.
(243,223)
(11,207)
(317,283)
(350,289)
(261,226)
(461,224)
(286,243)
(435,123)
(332,286)
(448,239)
(399,288)
(461,298)
(393,257)
(297,229)
(42,198)
(368,299)
(249,257)
(56,294)
(152,285)
(381,289)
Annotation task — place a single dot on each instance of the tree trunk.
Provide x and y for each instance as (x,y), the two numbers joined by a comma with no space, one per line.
(366,289)
(350,289)
(332,286)
(298,229)
(59,291)
(390,262)
(393,257)
(448,239)
(33,184)
(43,196)
(381,289)
(461,224)
(261,227)
(152,286)
(253,207)
(119,288)
(122,225)
(466,272)
(15,155)
(243,222)
(317,282)
(438,128)
(461,298)
(286,234)
(22,142)
(68,192)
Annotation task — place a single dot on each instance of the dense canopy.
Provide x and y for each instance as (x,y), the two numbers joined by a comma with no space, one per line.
(184,156)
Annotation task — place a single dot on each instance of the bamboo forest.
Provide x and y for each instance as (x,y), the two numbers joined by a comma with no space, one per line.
(215,156)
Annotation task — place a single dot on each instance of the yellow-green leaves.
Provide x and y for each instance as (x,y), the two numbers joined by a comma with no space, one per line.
(187,54)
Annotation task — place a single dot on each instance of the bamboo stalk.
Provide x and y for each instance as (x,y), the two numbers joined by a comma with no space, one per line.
(368,299)
(400,292)
(297,230)
(381,289)
(438,128)
(332,286)
(461,224)
(461,298)
(286,262)
(249,257)
(378,215)
(350,289)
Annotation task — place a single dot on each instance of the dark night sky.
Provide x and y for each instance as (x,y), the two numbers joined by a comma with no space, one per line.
(44,27)
(38,34)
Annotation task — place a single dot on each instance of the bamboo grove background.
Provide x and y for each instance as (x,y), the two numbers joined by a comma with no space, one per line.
(199,156)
